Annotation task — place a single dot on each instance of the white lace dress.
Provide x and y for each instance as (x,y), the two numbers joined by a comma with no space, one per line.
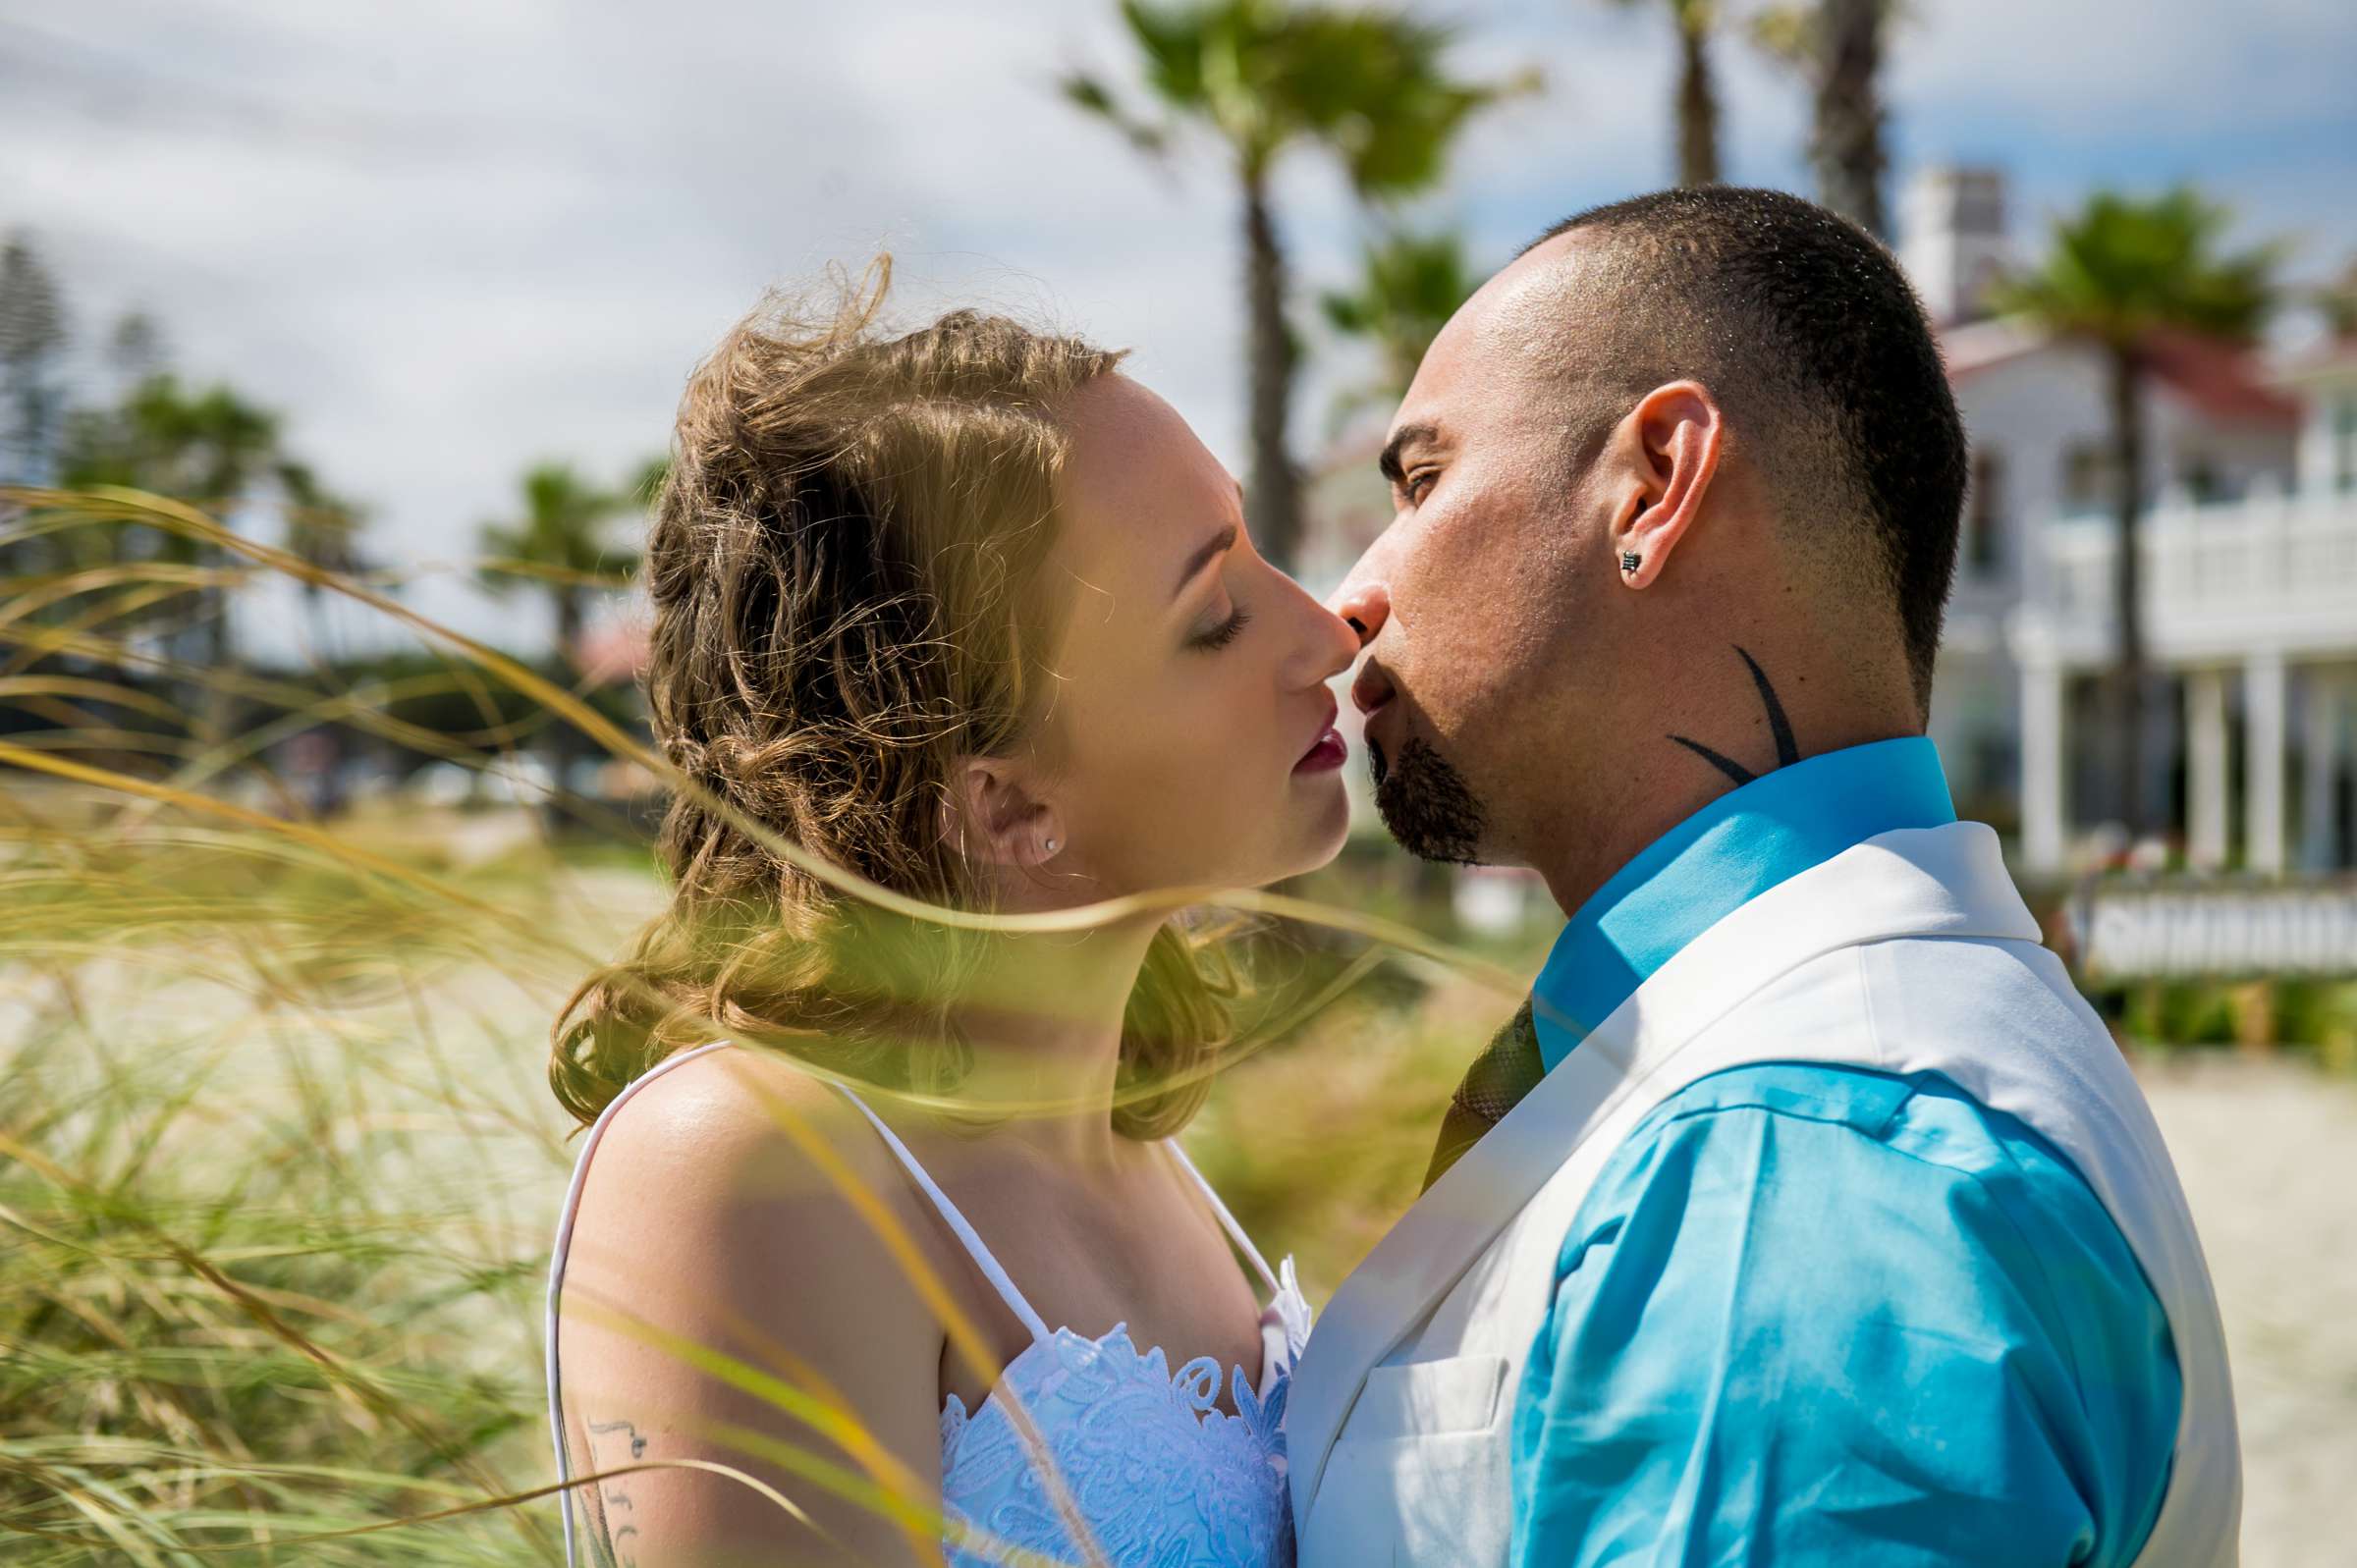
(1125,1463)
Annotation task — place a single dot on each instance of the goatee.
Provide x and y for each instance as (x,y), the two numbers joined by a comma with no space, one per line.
(1425,804)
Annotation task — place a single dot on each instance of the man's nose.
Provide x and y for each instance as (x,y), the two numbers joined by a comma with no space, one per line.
(1366,606)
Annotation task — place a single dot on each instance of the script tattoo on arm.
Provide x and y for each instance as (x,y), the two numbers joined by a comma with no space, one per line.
(1786,752)
(611,1444)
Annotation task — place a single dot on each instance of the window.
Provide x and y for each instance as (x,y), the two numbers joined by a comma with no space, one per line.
(1983,514)
(2199,476)
(1989,766)
(2345,443)
(2089,476)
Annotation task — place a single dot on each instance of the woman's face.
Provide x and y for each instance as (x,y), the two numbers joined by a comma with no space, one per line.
(1188,735)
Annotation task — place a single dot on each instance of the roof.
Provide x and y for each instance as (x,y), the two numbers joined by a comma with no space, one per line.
(1977,346)
(2225,381)
(2222,380)
(2334,359)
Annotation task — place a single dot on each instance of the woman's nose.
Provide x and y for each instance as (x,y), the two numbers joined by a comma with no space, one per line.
(1337,645)
(1326,646)
(1364,607)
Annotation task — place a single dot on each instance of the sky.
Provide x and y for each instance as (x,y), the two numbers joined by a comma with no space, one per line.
(450,239)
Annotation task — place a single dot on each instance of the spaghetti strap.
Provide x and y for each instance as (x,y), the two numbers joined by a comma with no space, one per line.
(563,1244)
(1235,1233)
(966,1233)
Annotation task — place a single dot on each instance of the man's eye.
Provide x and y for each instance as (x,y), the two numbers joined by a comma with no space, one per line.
(1418,485)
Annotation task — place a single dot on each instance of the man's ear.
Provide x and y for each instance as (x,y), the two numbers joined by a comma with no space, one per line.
(996,818)
(1669,446)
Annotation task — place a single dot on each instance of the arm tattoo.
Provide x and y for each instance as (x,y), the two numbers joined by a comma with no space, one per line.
(1780,726)
(618,1546)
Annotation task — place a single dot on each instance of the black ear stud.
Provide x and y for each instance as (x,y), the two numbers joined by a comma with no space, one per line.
(1628,561)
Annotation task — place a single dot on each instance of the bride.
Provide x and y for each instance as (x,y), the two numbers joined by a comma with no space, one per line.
(972,614)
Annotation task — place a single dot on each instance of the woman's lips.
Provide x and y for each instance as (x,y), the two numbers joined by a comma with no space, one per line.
(1328,754)
(1329,751)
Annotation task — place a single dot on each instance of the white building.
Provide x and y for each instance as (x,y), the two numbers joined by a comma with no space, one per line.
(2249,540)
(2250,575)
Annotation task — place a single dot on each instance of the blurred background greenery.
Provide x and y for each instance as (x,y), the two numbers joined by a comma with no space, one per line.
(300,854)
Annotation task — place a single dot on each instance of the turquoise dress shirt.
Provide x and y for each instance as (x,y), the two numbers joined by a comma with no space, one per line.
(1819,1314)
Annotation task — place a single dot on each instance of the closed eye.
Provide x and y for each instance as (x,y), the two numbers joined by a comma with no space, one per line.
(1226,633)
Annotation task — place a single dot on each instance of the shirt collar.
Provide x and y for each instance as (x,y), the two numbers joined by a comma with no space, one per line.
(1729,852)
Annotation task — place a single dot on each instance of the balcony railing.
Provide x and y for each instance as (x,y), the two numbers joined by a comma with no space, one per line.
(2274,572)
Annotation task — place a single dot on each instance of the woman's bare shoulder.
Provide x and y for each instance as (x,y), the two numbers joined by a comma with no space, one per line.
(744,1145)
(715,1255)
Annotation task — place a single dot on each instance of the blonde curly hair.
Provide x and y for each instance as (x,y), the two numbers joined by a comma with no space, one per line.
(846,570)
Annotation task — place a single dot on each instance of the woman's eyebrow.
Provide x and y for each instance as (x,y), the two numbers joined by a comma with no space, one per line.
(1217,545)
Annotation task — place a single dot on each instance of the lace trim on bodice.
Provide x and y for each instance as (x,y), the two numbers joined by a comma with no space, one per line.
(1157,1473)
(1155,1470)
(1160,1476)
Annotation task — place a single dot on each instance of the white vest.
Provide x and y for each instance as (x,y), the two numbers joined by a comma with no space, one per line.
(1911,953)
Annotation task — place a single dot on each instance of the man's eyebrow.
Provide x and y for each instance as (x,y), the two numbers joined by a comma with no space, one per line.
(1218,546)
(1401,438)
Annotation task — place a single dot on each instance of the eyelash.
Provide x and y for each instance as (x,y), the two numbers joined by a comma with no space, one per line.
(1418,486)
(1226,633)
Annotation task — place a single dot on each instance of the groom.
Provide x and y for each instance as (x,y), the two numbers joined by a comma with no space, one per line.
(1804,1215)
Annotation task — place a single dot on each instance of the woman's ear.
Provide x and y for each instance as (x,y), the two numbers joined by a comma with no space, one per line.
(1668,444)
(995,817)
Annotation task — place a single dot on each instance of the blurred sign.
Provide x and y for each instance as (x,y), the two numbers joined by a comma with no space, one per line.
(2134,932)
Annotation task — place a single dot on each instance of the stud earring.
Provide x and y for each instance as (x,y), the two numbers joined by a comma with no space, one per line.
(1629,562)
(1050,846)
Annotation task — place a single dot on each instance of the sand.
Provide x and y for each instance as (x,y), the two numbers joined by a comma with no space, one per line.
(2267,1153)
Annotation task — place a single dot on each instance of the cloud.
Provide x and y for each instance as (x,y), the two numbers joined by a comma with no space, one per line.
(450,239)
(2104,69)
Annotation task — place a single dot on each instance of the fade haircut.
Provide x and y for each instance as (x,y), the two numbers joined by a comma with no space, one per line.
(1806,332)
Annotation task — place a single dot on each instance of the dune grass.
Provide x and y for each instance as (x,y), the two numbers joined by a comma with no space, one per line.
(279,1165)
(276,1178)
(278,1171)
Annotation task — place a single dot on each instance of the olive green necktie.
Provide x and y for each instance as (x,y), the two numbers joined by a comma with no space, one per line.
(1509,1068)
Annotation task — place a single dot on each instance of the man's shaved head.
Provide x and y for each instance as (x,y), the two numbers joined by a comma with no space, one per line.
(1810,338)
(1684,455)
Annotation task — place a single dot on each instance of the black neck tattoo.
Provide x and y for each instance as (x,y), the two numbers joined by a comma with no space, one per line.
(1787,753)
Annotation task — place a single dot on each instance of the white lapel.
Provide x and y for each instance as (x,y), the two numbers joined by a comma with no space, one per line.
(1946,881)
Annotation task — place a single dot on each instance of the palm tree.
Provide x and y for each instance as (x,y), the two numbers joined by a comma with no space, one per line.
(33,344)
(1409,285)
(2339,303)
(207,448)
(2120,270)
(1848,145)
(1837,45)
(1265,76)
(1697,100)
(33,337)
(320,531)
(559,540)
